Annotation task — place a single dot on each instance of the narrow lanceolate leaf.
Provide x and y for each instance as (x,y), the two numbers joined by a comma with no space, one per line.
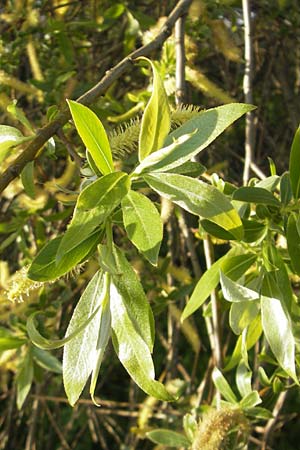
(193,136)
(44,267)
(294,165)
(156,119)
(255,195)
(242,314)
(81,353)
(232,266)
(198,198)
(168,437)
(24,378)
(94,205)
(93,135)
(277,326)
(223,387)
(27,178)
(133,297)
(293,242)
(235,292)
(132,350)
(143,224)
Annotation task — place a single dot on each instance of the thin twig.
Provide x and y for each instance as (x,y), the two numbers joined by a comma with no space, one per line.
(44,134)
(271,423)
(217,352)
(248,76)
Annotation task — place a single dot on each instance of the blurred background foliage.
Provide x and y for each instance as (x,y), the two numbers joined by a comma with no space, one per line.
(57,49)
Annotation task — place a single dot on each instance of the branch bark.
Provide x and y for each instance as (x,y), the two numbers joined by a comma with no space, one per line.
(31,150)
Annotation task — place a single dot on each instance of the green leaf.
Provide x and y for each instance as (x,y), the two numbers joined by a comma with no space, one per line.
(93,135)
(131,348)
(277,326)
(190,168)
(293,243)
(81,354)
(253,230)
(269,183)
(8,340)
(242,314)
(44,266)
(133,297)
(168,437)
(198,198)
(94,205)
(215,230)
(24,378)
(250,400)
(233,266)
(255,195)
(46,360)
(253,334)
(193,136)
(286,193)
(27,178)
(143,224)
(48,344)
(156,120)
(258,413)
(294,166)
(10,137)
(234,292)
(223,387)
(243,379)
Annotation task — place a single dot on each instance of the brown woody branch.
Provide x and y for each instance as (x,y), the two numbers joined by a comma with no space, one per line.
(43,134)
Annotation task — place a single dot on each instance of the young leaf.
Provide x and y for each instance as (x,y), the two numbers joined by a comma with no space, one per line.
(81,353)
(10,137)
(44,266)
(234,292)
(250,400)
(294,165)
(156,119)
(8,340)
(46,360)
(133,297)
(94,204)
(255,195)
(233,266)
(285,189)
(143,224)
(197,134)
(27,178)
(293,243)
(198,198)
(93,135)
(223,387)
(132,350)
(277,326)
(242,314)
(24,378)
(168,437)
(243,379)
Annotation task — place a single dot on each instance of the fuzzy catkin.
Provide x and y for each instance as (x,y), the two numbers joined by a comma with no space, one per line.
(214,427)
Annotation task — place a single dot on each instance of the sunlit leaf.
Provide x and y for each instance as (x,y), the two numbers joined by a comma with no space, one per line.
(198,198)
(24,378)
(81,353)
(199,132)
(93,135)
(156,120)
(143,224)
(132,350)
(277,326)
(255,195)
(223,386)
(235,292)
(27,178)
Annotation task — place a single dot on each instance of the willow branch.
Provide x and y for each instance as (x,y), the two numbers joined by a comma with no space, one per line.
(248,76)
(44,134)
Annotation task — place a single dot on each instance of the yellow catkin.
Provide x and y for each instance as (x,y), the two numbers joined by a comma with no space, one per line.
(215,426)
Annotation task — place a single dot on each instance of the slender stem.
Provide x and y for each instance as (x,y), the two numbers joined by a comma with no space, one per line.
(180,61)
(217,351)
(44,134)
(248,76)
(271,423)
